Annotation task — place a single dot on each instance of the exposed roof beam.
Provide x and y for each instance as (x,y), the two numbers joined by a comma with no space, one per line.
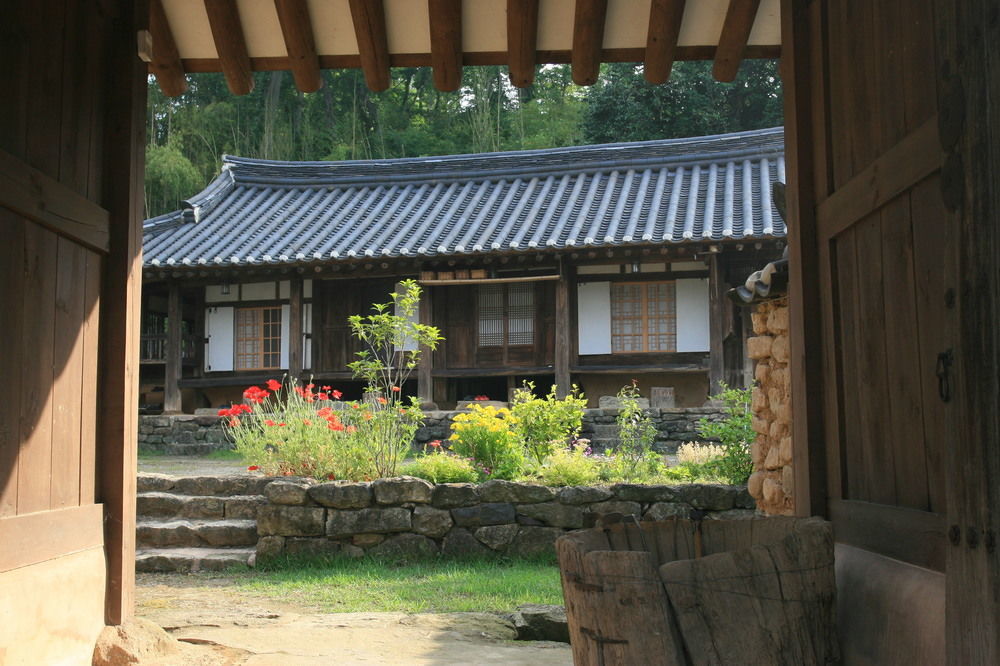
(166,63)
(227,32)
(665,18)
(373,45)
(296,28)
(733,40)
(446,43)
(588,38)
(522,38)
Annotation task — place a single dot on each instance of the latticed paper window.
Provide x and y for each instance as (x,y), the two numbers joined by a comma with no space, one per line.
(258,338)
(643,317)
(506,315)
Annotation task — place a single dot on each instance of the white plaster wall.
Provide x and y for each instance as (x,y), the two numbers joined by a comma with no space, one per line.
(257,291)
(594,317)
(219,331)
(692,315)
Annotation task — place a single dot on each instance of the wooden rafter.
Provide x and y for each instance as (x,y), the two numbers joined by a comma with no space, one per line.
(166,62)
(296,28)
(522,38)
(373,45)
(446,43)
(665,18)
(588,38)
(733,42)
(227,33)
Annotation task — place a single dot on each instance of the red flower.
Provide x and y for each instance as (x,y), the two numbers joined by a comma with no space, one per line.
(322,396)
(307,421)
(368,416)
(255,394)
(336,394)
(351,429)
(282,424)
(331,477)
(310,386)
(325,388)
(382,400)
(274,384)
(223,412)
(396,389)
(234,422)
(335,425)
(436,443)
(253,468)
(269,422)
(326,411)
(355,406)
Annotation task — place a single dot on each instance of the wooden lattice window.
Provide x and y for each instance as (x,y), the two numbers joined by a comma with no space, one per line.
(643,317)
(506,315)
(258,338)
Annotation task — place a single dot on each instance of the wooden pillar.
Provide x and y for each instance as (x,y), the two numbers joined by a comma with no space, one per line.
(719,323)
(175,353)
(124,144)
(561,361)
(804,134)
(425,370)
(295,360)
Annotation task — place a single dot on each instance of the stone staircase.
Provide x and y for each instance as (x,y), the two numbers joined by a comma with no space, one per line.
(196,523)
(603,437)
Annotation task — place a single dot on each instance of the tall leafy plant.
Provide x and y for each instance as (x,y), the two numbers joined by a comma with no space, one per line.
(735,432)
(549,423)
(636,433)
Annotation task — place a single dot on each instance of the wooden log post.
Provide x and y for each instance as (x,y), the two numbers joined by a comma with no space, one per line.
(562,342)
(174,356)
(425,370)
(295,360)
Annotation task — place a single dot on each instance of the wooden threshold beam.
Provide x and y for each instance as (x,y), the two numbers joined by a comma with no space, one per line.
(373,45)
(588,38)
(166,60)
(446,43)
(297,31)
(530,278)
(665,18)
(227,32)
(522,40)
(733,42)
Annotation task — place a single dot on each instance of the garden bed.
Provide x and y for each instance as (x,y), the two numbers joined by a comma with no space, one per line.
(406,517)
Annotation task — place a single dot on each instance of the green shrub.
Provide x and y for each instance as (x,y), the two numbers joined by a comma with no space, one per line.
(486,436)
(573,466)
(546,424)
(636,433)
(735,432)
(439,466)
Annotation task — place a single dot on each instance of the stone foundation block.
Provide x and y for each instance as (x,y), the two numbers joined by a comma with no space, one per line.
(345,522)
(290,520)
(402,489)
(342,494)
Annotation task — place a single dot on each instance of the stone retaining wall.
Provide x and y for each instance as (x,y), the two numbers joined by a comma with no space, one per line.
(405,516)
(772,482)
(186,434)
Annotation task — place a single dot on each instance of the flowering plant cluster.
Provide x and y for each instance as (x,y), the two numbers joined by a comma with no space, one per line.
(485,435)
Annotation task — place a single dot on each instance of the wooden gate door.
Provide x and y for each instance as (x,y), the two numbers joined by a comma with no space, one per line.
(71,123)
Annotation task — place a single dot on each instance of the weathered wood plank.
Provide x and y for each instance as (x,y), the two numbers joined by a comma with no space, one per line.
(89,400)
(849,375)
(562,332)
(174,356)
(909,535)
(446,43)
(36,537)
(295,341)
(11,357)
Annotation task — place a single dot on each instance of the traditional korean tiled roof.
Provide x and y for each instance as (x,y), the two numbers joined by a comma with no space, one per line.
(713,188)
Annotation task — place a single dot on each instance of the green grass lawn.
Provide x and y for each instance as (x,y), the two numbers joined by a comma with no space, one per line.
(442,585)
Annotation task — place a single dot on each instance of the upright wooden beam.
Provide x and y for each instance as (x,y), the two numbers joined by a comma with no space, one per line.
(166,63)
(588,39)
(446,43)
(563,346)
(227,32)
(425,370)
(665,17)
(719,323)
(805,148)
(522,40)
(297,30)
(120,295)
(733,42)
(174,355)
(295,346)
(373,45)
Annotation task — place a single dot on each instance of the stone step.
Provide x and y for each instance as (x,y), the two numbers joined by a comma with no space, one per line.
(190,559)
(217,486)
(196,533)
(161,504)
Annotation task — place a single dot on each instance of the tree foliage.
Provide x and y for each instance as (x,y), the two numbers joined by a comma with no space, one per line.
(344,120)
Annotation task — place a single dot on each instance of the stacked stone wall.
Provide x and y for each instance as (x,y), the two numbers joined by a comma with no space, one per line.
(181,434)
(406,517)
(772,482)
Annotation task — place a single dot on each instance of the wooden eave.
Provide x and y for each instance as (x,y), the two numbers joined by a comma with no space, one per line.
(304,36)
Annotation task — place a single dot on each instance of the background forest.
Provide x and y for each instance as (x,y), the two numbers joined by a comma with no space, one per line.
(344,120)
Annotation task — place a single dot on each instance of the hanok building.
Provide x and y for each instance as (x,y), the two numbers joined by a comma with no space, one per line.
(590,265)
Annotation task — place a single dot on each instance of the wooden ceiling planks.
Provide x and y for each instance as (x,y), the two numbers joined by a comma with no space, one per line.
(522,40)
(739,22)
(368,17)
(665,17)
(588,39)
(297,31)
(227,33)
(446,43)
(166,60)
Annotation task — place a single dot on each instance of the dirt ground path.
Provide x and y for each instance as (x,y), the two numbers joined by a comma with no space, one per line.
(226,626)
